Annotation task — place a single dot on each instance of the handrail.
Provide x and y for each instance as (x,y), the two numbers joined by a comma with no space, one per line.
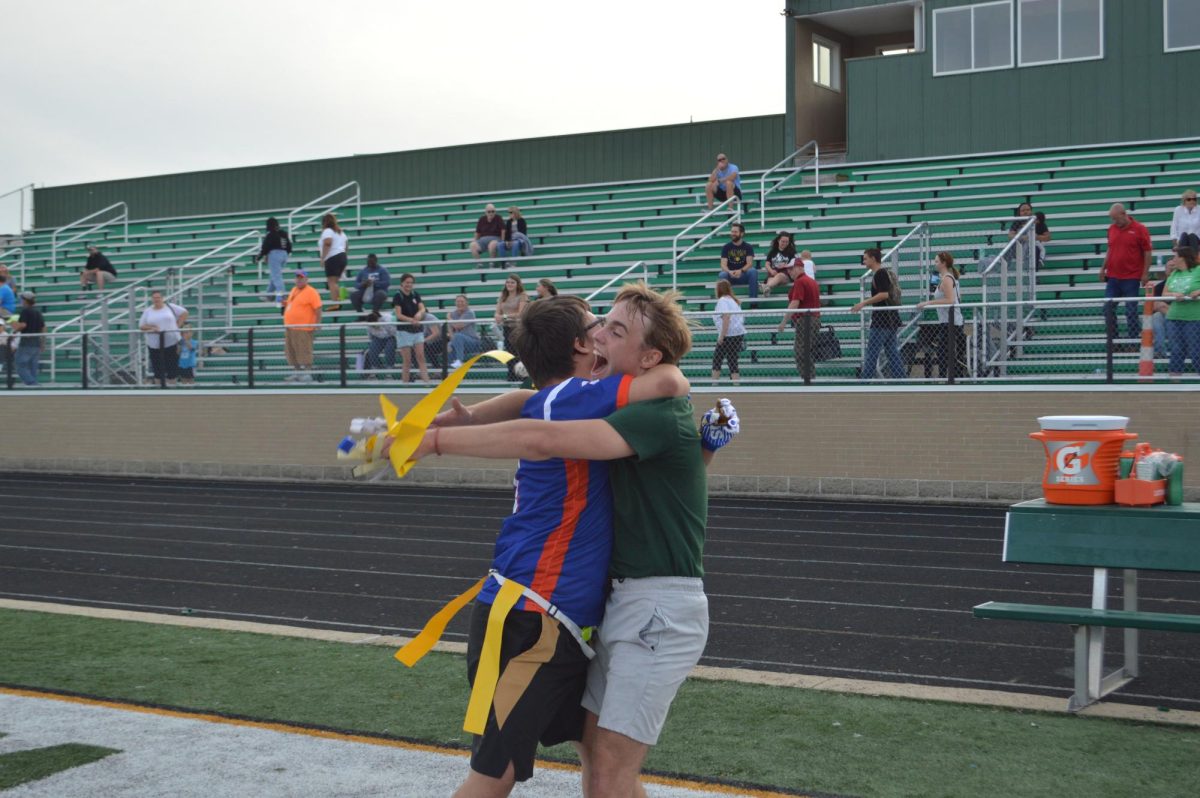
(21,260)
(55,245)
(765,192)
(22,189)
(356,197)
(1012,244)
(601,289)
(676,255)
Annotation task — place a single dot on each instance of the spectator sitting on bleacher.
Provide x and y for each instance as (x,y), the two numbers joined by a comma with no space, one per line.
(8,298)
(1158,318)
(545,289)
(464,335)
(435,346)
(1125,269)
(1040,231)
(301,314)
(737,261)
(517,241)
(410,335)
(885,291)
(371,286)
(276,246)
(98,270)
(1185,223)
(12,283)
(381,342)
(489,233)
(724,182)
(779,259)
(333,247)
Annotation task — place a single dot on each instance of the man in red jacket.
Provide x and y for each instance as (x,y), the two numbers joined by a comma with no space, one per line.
(806,295)
(1126,269)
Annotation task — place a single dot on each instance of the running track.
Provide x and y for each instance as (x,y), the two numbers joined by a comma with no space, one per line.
(867,591)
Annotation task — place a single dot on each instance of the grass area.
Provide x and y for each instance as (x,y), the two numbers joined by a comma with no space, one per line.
(19,767)
(783,737)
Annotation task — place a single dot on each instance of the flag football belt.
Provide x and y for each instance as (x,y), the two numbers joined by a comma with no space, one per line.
(488,671)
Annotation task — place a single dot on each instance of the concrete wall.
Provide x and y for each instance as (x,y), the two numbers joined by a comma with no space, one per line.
(961,445)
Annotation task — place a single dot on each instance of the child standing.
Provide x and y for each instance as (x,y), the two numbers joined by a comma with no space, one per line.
(187,357)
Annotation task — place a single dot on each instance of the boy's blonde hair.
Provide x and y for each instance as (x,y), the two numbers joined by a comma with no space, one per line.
(666,328)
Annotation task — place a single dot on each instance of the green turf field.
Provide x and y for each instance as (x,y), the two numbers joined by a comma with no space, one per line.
(773,736)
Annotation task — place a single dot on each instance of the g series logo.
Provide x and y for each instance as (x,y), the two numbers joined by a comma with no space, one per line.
(1072,462)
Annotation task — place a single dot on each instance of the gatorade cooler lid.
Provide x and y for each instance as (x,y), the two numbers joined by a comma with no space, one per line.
(1083,423)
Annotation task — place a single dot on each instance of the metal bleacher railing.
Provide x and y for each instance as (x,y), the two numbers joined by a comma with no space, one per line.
(1073,345)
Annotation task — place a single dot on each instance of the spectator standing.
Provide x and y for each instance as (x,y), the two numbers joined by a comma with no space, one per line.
(187,356)
(489,233)
(724,182)
(881,337)
(804,295)
(516,236)
(1183,319)
(1158,319)
(731,331)
(8,298)
(464,334)
(371,286)
(509,307)
(737,261)
(31,325)
(1041,232)
(779,259)
(1125,270)
(410,335)
(1185,224)
(301,314)
(161,323)
(333,247)
(381,342)
(949,315)
(276,247)
(545,289)
(98,270)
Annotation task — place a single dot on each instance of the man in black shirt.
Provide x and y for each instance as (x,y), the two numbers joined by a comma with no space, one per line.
(29,346)
(885,291)
(97,270)
(737,260)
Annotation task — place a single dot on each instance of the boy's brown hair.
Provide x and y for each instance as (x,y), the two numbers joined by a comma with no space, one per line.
(545,336)
(666,328)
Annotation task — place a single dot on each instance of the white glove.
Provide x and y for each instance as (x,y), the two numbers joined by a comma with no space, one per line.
(719,425)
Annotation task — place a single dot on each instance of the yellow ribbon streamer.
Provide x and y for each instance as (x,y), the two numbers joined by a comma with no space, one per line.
(408,431)
(487,673)
(435,627)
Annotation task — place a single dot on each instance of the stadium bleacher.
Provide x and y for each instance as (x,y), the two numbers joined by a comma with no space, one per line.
(585,235)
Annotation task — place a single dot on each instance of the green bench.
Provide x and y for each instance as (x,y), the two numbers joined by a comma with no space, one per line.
(1101,537)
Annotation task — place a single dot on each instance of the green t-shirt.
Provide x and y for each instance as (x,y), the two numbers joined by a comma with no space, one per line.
(1184,281)
(660,495)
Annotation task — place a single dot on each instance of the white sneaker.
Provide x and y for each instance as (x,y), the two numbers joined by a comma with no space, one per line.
(456,364)
(291,378)
(304,376)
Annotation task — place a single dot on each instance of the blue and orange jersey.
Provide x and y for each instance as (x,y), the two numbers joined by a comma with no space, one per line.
(559,538)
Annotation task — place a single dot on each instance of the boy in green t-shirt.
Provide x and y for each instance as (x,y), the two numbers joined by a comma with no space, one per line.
(660,513)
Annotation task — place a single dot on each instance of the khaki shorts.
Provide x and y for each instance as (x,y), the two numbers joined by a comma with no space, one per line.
(653,634)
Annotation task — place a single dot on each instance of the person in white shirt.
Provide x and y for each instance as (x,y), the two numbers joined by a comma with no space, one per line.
(160,322)
(332,247)
(731,331)
(1185,224)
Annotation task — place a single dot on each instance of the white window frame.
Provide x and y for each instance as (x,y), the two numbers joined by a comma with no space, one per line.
(1166,31)
(835,63)
(1021,62)
(1012,33)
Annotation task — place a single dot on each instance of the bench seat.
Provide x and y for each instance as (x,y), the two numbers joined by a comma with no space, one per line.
(1085,616)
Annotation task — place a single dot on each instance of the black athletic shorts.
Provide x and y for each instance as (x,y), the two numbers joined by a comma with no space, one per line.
(335,265)
(721,196)
(542,676)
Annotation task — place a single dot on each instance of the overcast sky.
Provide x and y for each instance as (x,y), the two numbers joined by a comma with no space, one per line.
(123,88)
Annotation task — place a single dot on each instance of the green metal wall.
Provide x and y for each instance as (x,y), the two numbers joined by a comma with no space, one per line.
(897,109)
(668,151)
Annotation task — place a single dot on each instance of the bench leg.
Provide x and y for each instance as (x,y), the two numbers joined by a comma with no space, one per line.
(1091,683)
(1129,602)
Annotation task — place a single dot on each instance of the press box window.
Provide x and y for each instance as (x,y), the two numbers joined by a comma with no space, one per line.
(972,38)
(826,62)
(1053,31)
(1181,24)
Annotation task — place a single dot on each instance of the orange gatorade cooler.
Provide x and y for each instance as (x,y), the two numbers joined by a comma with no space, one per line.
(1081,457)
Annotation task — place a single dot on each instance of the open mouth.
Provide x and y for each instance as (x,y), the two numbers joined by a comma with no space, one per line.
(599,366)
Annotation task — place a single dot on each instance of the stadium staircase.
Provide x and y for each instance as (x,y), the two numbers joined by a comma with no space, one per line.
(585,235)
